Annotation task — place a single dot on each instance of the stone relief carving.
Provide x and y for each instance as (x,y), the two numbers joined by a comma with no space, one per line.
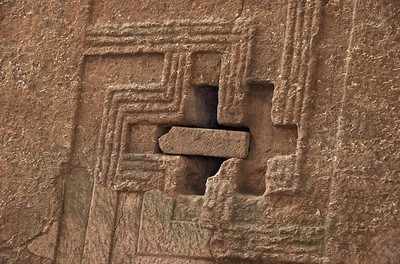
(214,229)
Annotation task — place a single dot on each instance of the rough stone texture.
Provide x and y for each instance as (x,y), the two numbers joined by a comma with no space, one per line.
(205,142)
(88,87)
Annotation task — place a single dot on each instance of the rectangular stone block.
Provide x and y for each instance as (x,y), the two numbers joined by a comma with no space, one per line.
(205,142)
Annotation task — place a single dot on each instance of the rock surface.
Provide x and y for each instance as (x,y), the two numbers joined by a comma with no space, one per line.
(87,88)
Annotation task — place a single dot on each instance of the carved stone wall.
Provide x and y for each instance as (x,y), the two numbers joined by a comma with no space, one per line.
(240,131)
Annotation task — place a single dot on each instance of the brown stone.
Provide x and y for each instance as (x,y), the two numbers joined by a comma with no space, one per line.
(205,142)
(88,88)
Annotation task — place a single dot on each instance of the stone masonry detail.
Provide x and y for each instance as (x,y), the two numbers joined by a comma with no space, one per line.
(164,175)
(199,131)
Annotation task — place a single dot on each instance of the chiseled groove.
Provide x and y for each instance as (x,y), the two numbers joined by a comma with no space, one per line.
(102,137)
(166,68)
(173,75)
(179,76)
(185,81)
(304,63)
(231,76)
(281,92)
(237,89)
(297,61)
(114,124)
(224,78)
(295,71)
(115,144)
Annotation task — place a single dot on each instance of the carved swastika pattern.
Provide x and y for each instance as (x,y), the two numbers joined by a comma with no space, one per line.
(165,102)
(231,40)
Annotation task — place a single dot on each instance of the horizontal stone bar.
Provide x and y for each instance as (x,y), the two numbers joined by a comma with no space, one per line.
(205,142)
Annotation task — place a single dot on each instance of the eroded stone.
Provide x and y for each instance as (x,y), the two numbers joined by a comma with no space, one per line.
(205,142)
(88,87)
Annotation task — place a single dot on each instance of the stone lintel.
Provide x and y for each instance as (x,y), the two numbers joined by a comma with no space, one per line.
(205,142)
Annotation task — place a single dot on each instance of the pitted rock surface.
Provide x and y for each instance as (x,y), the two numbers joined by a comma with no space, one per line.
(201,132)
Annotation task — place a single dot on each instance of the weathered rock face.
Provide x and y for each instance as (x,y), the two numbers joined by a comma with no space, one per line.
(180,131)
